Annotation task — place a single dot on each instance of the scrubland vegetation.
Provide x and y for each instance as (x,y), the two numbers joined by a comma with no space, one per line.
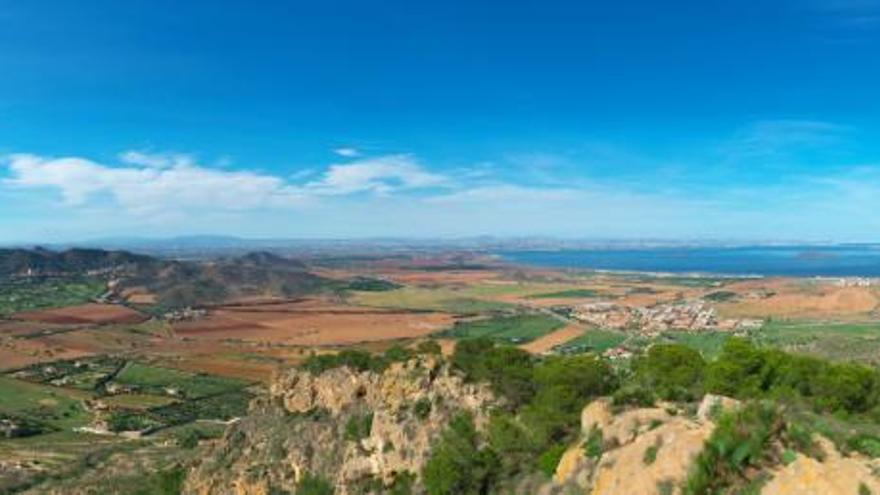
(788,397)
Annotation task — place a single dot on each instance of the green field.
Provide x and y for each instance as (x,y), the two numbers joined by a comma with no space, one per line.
(50,294)
(708,343)
(464,301)
(592,340)
(513,329)
(570,293)
(833,340)
(56,407)
(154,380)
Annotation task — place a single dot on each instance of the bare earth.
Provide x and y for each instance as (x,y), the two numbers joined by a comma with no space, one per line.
(85,313)
(553,339)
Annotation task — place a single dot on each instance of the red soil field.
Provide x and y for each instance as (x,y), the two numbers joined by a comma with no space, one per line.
(85,313)
(339,325)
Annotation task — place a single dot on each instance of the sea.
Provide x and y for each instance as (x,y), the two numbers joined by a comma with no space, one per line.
(794,260)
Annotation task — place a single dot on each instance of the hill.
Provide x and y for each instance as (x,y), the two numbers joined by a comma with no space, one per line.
(172,283)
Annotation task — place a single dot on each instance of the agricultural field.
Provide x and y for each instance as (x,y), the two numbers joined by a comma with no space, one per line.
(91,313)
(30,296)
(306,325)
(153,380)
(856,341)
(458,301)
(570,293)
(592,340)
(57,408)
(515,329)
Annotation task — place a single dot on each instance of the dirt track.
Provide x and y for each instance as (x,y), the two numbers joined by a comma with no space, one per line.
(553,339)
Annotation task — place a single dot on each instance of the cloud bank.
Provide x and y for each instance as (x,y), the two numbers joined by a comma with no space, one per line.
(731,193)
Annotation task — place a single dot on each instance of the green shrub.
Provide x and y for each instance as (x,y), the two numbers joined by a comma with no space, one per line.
(313,485)
(457,466)
(741,440)
(352,358)
(633,395)
(594,445)
(508,369)
(865,444)
(165,482)
(549,460)
(429,347)
(673,371)
(358,427)
(651,454)
(514,444)
(397,353)
(422,408)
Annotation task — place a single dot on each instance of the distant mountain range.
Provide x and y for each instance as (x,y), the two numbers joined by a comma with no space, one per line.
(175,283)
(201,246)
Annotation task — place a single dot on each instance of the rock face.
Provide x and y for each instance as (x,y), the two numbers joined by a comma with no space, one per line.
(643,450)
(835,474)
(309,424)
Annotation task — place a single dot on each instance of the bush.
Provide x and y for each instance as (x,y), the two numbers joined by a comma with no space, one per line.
(514,445)
(549,460)
(397,353)
(422,408)
(865,444)
(674,371)
(508,369)
(358,427)
(594,446)
(351,358)
(457,465)
(313,485)
(429,347)
(745,371)
(165,482)
(633,395)
(741,440)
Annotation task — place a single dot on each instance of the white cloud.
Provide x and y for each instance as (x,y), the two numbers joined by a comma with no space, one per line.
(156,160)
(378,175)
(347,152)
(506,192)
(150,184)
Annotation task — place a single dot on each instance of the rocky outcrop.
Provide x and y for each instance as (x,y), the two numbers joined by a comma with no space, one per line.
(349,427)
(834,474)
(641,449)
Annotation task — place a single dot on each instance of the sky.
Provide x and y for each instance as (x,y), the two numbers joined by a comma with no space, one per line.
(748,120)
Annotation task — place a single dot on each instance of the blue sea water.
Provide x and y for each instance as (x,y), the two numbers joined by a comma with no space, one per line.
(802,261)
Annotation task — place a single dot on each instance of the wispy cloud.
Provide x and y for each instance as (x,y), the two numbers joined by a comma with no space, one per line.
(381,175)
(347,152)
(402,195)
(156,160)
(149,184)
(769,138)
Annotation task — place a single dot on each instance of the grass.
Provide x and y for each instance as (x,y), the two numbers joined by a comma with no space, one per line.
(570,293)
(221,407)
(720,296)
(155,380)
(59,408)
(513,329)
(30,296)
(137,401)
(852,341)
(462,301)
(708,343)
(592,340)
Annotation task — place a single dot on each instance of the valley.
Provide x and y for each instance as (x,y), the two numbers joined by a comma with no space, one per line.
(121,359)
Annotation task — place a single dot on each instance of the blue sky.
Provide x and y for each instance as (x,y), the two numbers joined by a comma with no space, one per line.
(691,119)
